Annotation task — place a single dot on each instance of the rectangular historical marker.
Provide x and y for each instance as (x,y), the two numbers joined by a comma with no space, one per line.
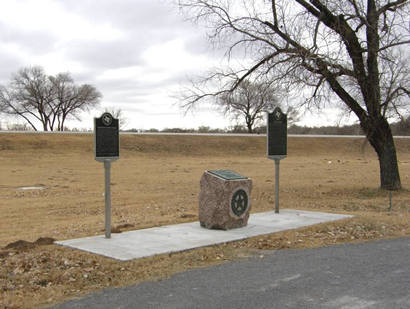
(277,144)
(107,138)
(277,132)
(107,149)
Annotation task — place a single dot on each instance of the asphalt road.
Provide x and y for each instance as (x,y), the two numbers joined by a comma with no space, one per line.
(368,275)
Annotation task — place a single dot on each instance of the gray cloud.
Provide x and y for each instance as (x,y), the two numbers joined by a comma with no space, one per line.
(104,55)
(35,42)
(9,64)
(129,14)
(145,22)
(26,41)
(142,24)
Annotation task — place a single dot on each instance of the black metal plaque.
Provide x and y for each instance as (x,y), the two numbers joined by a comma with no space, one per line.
(107,138)
(239,202)
(227,174)
(277,135)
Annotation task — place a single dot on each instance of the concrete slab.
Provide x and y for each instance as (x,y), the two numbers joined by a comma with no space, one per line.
(179,237)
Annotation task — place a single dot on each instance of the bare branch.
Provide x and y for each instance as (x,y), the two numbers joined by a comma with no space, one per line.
(393,45)
(391,6)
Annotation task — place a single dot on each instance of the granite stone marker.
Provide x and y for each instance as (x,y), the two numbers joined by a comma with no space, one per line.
(224,200)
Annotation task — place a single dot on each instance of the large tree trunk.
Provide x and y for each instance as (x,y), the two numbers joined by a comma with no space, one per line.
(250,128)
(381,138)
(249,123)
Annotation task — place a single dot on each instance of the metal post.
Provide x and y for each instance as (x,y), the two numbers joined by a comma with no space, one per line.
(277,161)
(107,168)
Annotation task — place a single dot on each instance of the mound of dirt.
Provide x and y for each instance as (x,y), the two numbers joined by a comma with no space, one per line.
(125,226)
(44,241)
(24,245)
(119,228)
(115,230)
(20,245)
(4,254)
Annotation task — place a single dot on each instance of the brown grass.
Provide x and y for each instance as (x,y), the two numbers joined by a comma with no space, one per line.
(156,182)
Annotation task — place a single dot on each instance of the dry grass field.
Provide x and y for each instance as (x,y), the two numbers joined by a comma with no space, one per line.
(156,182)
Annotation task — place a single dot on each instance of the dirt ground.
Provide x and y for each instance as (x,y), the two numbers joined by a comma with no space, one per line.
(156,182)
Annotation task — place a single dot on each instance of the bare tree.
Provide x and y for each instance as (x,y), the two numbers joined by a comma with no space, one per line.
(249,102)
(71,99)
(35,96)
(119,114)
(352,52)
(28,96)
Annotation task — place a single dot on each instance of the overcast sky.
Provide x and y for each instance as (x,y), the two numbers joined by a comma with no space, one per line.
(137,53)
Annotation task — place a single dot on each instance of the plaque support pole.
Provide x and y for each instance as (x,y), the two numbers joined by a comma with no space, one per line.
(277,162)
(107,169)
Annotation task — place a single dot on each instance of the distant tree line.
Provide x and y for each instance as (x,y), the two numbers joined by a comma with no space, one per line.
(398,128)
(401,128)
